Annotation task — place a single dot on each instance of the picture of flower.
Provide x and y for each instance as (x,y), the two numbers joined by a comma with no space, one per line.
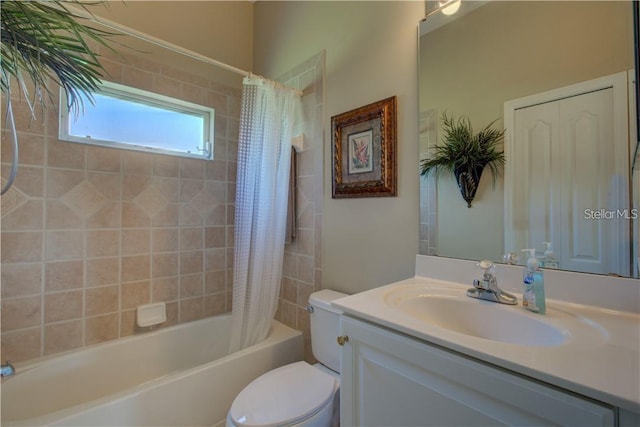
(360,156)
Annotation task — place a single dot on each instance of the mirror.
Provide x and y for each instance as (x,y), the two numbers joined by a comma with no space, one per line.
(496,59)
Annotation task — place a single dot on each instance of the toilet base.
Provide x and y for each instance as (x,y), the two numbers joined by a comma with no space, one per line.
(329,416)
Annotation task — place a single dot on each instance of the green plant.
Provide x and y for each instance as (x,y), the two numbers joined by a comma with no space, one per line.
(465,154)
(41,42)
(45,40)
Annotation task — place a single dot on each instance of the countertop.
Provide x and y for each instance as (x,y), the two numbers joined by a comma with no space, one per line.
(606,368)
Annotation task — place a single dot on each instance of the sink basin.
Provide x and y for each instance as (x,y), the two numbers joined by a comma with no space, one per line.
(454,311)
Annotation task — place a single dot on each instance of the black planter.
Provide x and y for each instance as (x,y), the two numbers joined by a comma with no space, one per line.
(468,180)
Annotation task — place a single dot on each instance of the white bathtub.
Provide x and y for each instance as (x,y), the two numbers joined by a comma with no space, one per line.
(175,376)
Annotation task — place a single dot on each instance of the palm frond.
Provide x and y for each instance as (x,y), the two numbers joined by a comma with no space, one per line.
(44,41)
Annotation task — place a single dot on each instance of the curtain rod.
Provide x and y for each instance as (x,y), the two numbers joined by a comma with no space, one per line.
(165,44)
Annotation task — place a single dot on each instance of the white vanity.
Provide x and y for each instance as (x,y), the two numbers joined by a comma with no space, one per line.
(420,352)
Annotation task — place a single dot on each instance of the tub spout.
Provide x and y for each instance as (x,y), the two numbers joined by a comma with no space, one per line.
(6,369)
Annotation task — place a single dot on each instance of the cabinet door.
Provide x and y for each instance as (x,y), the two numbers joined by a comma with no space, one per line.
(389,379)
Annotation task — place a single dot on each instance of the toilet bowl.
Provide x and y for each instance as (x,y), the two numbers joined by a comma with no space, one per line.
(298,394)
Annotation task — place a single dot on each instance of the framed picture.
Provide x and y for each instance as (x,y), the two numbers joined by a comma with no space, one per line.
(364,151)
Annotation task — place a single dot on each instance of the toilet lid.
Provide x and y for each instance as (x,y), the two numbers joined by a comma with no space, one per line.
(282,396)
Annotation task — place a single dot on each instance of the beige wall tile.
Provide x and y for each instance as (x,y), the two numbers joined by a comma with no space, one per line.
(102,271)
(191,285)
(59,181)
(136,241)
(18,313)
(137,78)
(134,268)
(68,155)
(215,304)
(218,215)
(102,300)
(189,188)
(109,216)
(103,159)
(165,240)
(289,290)
(127,323)
(214,281)
(167,217)
(28,216)
(30,180)
(20,345)
(165,289)
(166,166)
(165,265)
(21,246)
(31,149)
(191,309)
(169,187)
(64,245)
(173,309)
(108,184)
(191,238)
(192,168)
(62,306)
(136,163)
(63,275)
(62,336)
(61,216)
(216,170)
(102,328)
(102,243)
(21,279)
(135,294)
(134,185)
(167,86)
(133,216)
(215,237)
(191,262)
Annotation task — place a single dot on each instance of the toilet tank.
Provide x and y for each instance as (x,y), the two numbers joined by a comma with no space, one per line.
(325,328)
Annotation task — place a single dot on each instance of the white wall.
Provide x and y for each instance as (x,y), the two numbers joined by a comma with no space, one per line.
(371,53)
(222,30)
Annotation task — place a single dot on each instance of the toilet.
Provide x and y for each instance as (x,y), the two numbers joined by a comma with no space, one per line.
(298,394)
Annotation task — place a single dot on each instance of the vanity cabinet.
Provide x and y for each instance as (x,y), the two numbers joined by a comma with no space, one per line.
(390,379)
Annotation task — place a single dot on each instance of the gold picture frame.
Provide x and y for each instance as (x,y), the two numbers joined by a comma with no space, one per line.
(364,151)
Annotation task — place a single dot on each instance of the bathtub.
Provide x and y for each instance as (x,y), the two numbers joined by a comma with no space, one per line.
(180,375)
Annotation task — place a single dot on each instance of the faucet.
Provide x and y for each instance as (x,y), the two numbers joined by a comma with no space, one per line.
(487,288)
(7,369)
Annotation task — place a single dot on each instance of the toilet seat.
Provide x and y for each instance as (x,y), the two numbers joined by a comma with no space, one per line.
(283,396)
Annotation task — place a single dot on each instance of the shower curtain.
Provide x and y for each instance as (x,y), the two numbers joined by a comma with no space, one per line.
(264,155)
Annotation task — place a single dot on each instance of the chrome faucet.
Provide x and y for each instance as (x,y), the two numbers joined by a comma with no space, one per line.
(7,369)
(487,288)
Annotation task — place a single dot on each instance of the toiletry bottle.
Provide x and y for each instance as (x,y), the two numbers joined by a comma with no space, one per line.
(549,259)
(533,285)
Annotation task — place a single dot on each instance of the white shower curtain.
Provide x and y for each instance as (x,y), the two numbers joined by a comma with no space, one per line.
(264,157)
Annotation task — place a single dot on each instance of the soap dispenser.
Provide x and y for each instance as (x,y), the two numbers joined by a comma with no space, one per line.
(549,259)
(533,298)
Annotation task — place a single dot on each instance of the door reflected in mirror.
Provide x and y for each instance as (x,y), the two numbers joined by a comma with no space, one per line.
(569,145)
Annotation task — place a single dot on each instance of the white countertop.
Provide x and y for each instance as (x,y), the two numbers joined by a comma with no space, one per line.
(606,368)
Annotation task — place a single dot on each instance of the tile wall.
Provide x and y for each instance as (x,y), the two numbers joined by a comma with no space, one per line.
(89,233)
(302,269)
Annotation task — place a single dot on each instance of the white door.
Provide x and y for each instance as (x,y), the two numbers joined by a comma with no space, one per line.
(568,177)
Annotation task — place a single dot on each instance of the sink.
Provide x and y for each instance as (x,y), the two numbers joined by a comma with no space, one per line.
(453,311)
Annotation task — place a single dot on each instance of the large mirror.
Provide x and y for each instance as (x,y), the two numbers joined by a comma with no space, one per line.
(559,78)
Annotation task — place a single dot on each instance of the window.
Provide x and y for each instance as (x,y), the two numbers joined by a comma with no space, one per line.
(134,119)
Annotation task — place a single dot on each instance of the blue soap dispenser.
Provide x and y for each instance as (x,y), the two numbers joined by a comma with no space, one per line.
(533,298)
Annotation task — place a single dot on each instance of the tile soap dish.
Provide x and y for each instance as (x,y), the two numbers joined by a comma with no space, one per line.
(151,314)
